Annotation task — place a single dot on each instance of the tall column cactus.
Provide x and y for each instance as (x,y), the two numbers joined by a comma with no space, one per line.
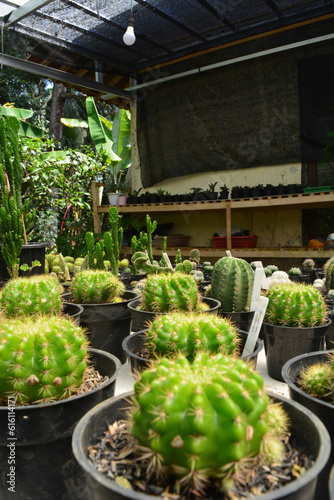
(151,227)
(113,240)
(16,218)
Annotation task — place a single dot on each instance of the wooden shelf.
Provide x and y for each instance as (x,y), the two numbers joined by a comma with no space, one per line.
(300,201)
(248,253)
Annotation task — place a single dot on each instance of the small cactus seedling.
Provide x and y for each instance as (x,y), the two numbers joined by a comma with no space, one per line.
(31,295)
(295,305)
(308,264)
(96,287)
(184,267)
(200,420)
(42,359)
(294,271)
(195,256)
(170,292)
(232,284)
(317,380)
(189,333)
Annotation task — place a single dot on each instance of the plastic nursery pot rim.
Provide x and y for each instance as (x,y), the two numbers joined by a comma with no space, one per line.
(147,360)
(92,351)
(285,375)
(287,330)
(123,301)
(289,489)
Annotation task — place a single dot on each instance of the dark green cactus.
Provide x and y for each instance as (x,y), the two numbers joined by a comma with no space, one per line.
(31,295)
(42,359)
(329,274)
(170,292)
(96,287)
(189,333)
(232,284)
(295,305)
(196,418)
(16,217)
(318,379)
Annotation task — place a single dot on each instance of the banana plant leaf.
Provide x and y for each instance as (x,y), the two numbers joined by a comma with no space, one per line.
(74,122)
(20,113)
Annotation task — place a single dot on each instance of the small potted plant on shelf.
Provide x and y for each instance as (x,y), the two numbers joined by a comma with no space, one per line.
(295,322)
(223,192)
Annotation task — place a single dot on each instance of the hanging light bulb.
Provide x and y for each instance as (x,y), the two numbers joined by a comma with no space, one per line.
(129,36)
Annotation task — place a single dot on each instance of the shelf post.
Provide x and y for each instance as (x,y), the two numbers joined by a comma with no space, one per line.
(95,201)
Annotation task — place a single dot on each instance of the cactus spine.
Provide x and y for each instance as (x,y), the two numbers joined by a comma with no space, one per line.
(31,295)
(16,218)
(96,287)
(189,333)
(198,419)
(42,359)
(169,292)
(232,284)
(295,305)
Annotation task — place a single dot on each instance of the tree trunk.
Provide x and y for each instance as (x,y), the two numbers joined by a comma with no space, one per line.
(57,110)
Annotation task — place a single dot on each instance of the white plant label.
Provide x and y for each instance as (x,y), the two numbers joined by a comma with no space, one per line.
(255,327)
(265,282)
(168,262)
(228,253)
(258,276)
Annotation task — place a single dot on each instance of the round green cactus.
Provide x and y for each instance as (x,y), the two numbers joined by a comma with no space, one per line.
(169,292)
(196,418)
(31,295)
(96,287)
(295,305)
(318,379)
(232,284)
(189,333)
(42,358)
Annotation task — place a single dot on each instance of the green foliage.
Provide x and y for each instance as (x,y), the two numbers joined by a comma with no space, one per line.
(42,359)
(198,420)
(295,305)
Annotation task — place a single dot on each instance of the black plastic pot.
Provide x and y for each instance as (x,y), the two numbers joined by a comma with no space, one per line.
(41,446)
(141,319)
(331,484)
(282,343)
(133,345)
(322,409)
(330,333)
(307,429)
(108,324)
(242,320)
(74,311)
(30,252)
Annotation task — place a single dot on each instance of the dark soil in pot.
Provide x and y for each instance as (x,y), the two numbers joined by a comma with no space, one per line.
(137,353)
(140,319)
(41,445)
(309,439)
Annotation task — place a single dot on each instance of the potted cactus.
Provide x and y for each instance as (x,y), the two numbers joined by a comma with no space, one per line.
(164,293)
(310,378)
(45,361)
(295,322)
(16,216)
(232,284)
(105,308)
(199,433)
(188,333)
